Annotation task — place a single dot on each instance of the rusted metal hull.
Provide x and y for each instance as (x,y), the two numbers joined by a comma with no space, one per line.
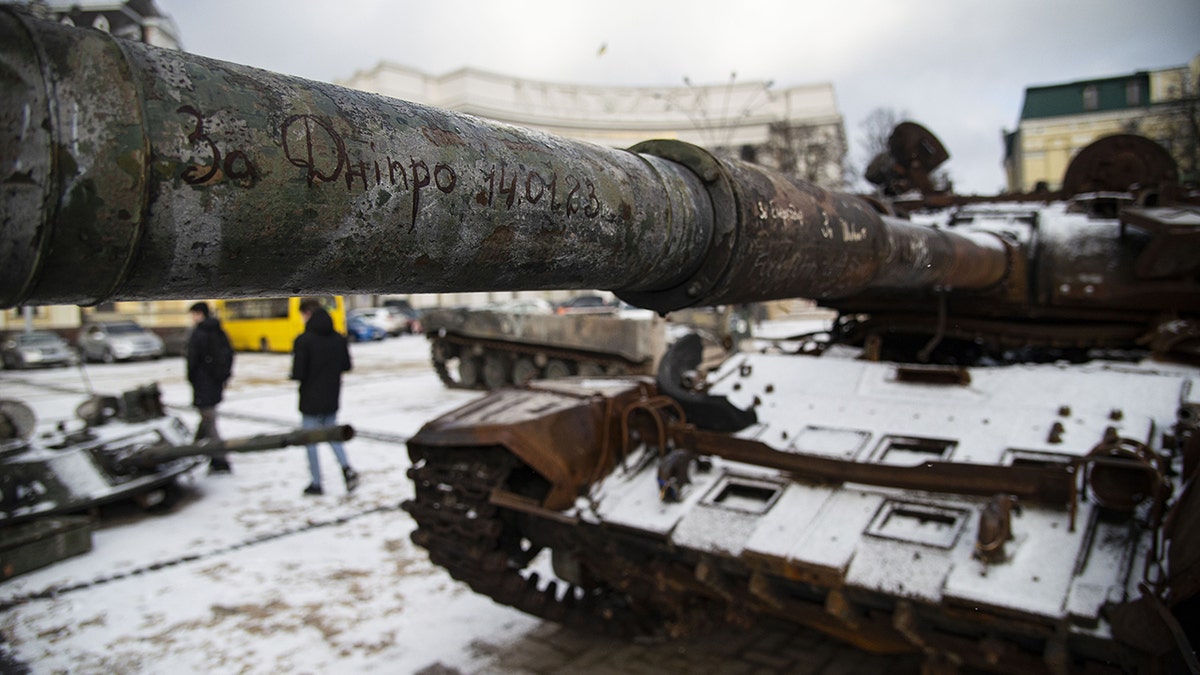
(823,512)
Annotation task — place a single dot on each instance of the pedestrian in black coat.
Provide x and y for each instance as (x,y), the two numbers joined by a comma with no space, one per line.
(209,364)
(319,357)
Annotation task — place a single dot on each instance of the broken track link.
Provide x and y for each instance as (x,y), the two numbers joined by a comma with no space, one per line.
(485,547)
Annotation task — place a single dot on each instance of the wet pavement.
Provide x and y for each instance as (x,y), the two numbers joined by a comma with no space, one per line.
(767,648)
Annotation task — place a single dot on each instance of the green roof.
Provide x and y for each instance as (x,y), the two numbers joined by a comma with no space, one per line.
(1111,93)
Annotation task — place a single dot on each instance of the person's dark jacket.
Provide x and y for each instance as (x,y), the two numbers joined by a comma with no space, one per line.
(319,357)
(208,385)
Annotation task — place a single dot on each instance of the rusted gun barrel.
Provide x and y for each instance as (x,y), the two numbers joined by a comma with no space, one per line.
(153,456)
(132,173)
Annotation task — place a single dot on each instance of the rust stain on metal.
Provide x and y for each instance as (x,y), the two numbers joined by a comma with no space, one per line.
(442,137)
(496,246)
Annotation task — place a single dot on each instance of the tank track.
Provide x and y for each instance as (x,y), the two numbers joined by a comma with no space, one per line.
(482,545)
(441,367)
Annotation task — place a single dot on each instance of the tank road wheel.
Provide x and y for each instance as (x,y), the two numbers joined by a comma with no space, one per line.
(441,353)
(588,369)
(161,499)
(524,371)
(469,371)
(495,370)
(556,369)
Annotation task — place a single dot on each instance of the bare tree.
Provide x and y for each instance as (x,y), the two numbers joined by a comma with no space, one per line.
(876,129)
(875,132)
(814,152)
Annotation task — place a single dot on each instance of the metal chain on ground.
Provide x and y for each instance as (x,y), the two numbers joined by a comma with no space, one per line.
(55,591)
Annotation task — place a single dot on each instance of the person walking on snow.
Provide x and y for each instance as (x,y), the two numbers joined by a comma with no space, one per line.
(319,357)
(209,366)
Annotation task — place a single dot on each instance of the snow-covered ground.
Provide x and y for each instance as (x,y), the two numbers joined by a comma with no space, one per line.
(246,574)
(354,595)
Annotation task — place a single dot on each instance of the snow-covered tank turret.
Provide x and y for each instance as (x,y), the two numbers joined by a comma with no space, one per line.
(125,447)
(1000,478)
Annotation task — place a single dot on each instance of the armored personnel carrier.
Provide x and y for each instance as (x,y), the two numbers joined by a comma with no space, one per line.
(989,460)
(489,348)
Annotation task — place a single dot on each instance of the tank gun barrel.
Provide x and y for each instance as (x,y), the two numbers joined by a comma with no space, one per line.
(137,173)
(153,456)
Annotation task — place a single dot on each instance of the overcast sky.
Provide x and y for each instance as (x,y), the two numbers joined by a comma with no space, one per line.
(959,67)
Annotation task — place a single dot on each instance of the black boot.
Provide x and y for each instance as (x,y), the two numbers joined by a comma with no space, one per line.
(313,489)
(219,464)
(351,478)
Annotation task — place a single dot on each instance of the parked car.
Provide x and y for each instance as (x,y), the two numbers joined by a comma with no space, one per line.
(586,304)
(358,329)
(412,317)
(390,319)
(110,341)
(36,348)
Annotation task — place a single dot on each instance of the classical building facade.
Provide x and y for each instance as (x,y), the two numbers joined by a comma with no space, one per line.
(137,20)
(798,129)
(1058,120)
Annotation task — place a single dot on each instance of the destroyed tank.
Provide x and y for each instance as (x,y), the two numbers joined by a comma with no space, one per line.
(123,448)
(989,460)
(489,348)
(999,477)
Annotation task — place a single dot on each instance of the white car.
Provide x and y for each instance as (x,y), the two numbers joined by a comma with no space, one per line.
(390,319)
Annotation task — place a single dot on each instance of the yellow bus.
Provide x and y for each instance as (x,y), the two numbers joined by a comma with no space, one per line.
(272,324)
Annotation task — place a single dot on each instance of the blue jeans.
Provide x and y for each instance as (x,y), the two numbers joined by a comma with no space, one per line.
(314,464)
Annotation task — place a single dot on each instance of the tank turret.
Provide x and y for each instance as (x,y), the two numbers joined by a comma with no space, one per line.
(127,448)
(989,458)
(176,176)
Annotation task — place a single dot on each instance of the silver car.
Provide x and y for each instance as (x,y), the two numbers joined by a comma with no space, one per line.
(118,341)
(36,348)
